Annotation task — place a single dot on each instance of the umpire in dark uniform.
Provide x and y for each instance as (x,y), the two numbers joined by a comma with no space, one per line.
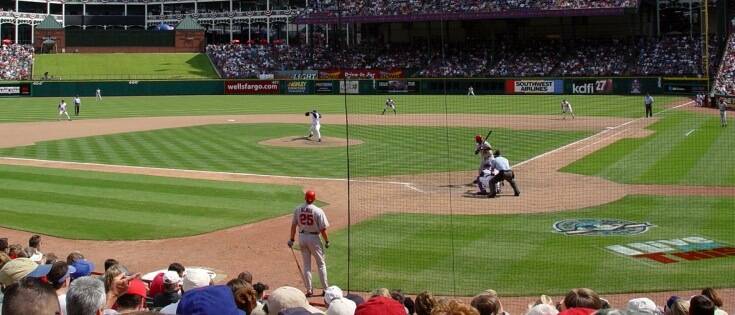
(648,102)
(501,164)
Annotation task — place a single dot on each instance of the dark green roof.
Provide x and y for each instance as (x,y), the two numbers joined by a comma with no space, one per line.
(49,23)
(188,24)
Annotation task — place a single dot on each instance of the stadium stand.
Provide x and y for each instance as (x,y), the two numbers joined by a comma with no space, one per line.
(16,62)
(417,7)
(725,82)
(29,283)
(673,55)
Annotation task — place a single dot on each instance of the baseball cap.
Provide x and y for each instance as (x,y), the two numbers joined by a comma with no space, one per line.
(20,268)
(196,278)
(642,306)
(82,267)
(59,272)
(381,305)
(284,298)
(543,309)
(137,287)
(171,277)
(670,302)
(331,293)
(212,300)
(341,307)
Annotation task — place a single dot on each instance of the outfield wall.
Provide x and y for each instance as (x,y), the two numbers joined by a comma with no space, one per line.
(617,86)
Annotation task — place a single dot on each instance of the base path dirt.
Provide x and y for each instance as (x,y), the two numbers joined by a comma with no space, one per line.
(309,143)
(261,247)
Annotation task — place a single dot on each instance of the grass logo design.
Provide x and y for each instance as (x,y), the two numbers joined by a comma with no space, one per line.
(601,227)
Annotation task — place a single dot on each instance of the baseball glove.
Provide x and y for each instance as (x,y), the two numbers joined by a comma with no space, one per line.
(306,114)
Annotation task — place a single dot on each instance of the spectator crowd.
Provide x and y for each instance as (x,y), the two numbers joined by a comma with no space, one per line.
(417,7)
(15,62)
(725,81)
(36,283)
(672,55)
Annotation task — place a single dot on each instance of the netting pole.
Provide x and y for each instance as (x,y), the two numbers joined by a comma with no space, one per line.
(704,20)
(448,166)
(347,148)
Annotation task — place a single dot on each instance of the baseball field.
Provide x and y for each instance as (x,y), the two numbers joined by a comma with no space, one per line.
(212,180)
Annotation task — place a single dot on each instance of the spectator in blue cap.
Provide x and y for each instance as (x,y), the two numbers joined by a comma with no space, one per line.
(212,300)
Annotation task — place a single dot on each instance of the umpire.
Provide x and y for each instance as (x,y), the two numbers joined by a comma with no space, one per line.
(501,164)
(648,101)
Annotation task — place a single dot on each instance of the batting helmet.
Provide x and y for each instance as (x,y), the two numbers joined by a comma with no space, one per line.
(310,196)
(478,138)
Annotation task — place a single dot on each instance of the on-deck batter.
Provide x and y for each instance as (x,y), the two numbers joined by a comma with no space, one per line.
(311,222)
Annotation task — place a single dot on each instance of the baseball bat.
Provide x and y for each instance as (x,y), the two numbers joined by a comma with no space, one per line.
(488,135)
(301,271)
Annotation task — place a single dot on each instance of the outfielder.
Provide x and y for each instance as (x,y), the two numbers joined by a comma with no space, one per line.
(98,94)
(723,113)
(471,91)
(62,111)
(390,103)
(315,124)
(566,108)
(311,222)
(77,104)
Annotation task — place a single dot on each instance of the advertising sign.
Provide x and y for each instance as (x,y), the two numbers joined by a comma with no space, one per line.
(592,87)
(324,87)
(534,86)
(349,87)
(297,74)
(15,90)
(251,87)
(296,87)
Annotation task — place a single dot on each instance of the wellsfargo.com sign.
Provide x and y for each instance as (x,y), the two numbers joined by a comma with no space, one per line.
(251,87)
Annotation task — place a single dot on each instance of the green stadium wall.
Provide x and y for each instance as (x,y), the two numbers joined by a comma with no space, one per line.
(617,86)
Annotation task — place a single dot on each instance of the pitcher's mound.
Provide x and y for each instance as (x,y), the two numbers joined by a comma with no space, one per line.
(303,142)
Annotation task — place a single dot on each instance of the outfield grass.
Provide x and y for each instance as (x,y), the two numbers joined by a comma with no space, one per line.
(686,149)
(387,150)
(104,206)
(35,109)
(162,66)
(521,255)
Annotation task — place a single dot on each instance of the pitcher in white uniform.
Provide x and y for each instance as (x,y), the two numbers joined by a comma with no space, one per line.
(315,125)
(311,222)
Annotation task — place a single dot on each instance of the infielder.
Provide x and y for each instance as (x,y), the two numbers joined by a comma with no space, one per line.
(648,102)
(62,111)
(98,94)
(77,105)
(723,113)
(311,222)
(471,91)
(566,108)
(390,103)
(315,124)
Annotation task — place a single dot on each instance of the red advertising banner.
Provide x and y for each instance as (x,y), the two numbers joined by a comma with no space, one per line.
(335,74)
(251,87)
